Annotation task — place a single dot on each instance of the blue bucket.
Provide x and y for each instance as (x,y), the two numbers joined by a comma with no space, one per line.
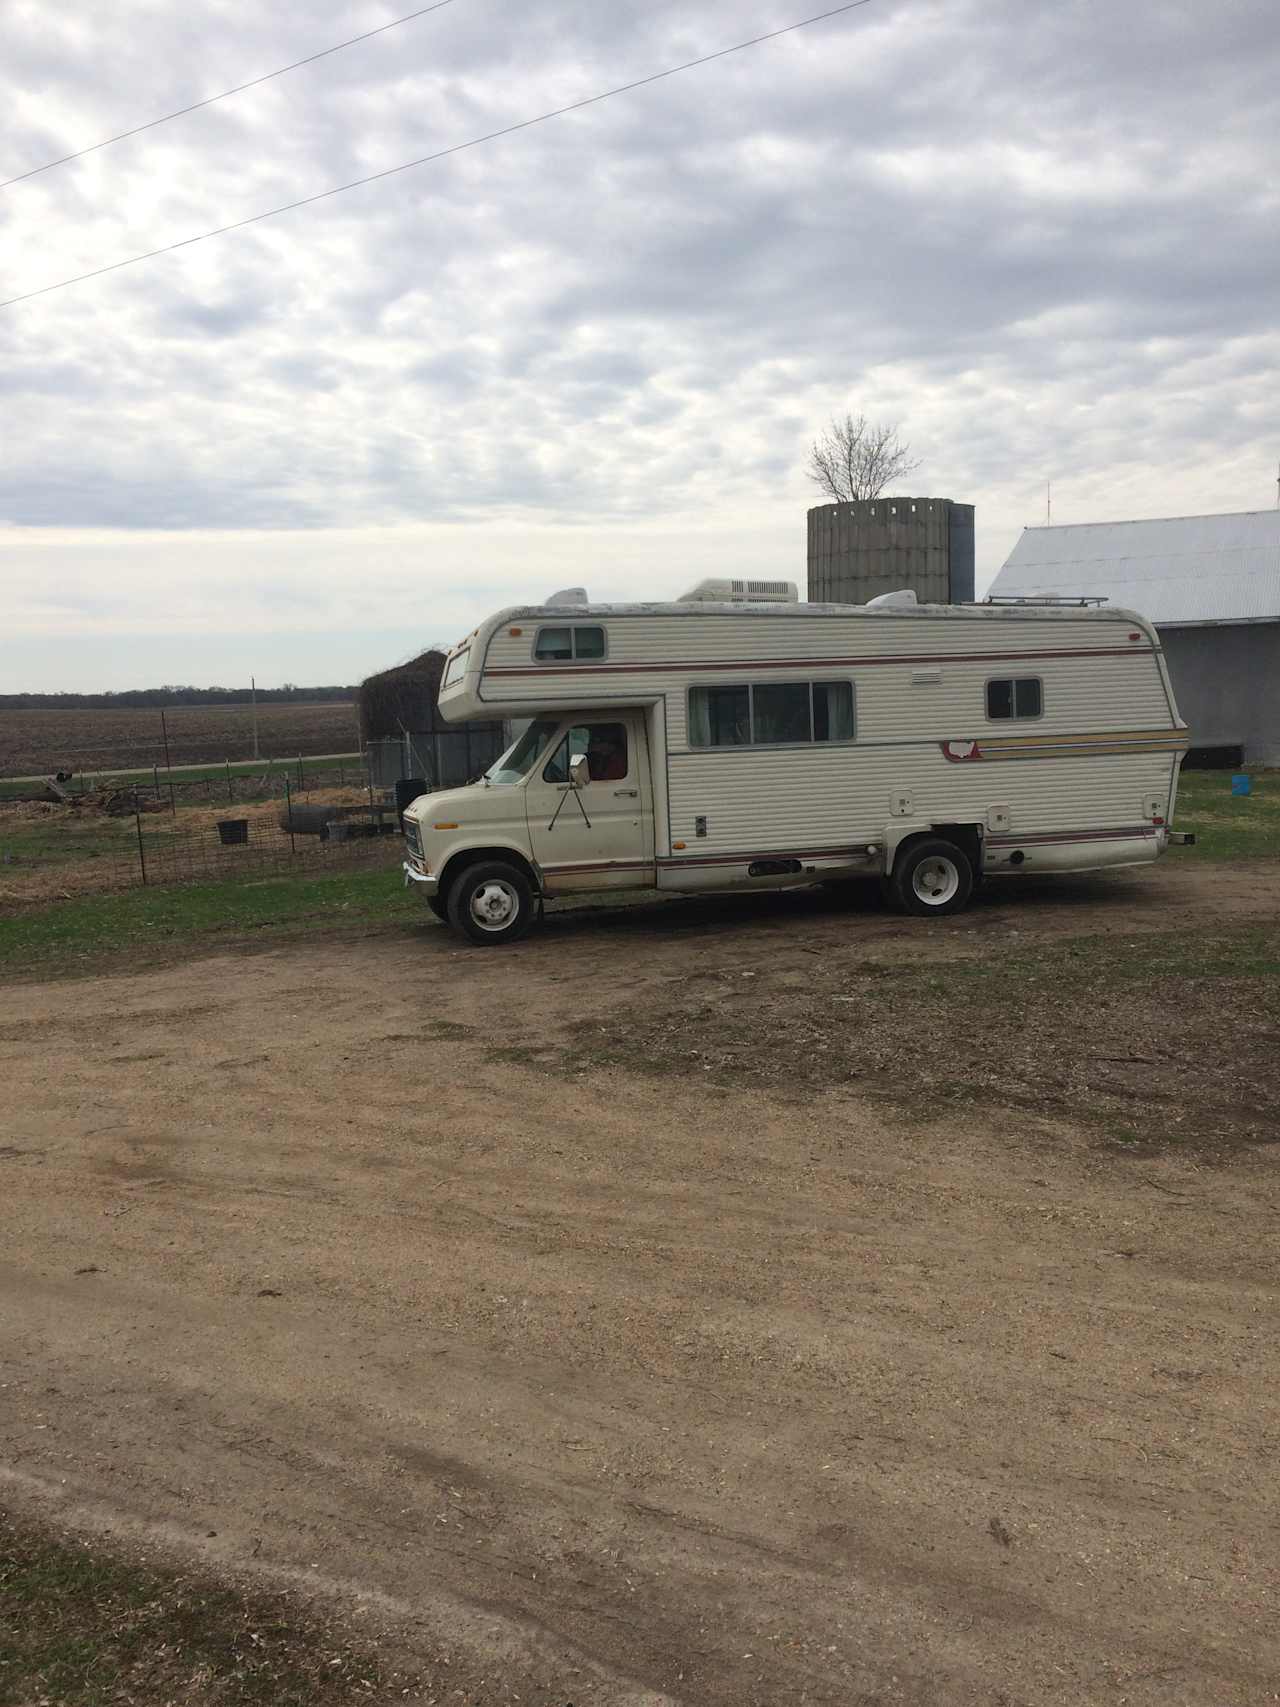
(1241,785)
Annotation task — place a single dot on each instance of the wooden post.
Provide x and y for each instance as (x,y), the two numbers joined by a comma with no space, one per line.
(168,762)
(137,820)
(230,796)
(288,812)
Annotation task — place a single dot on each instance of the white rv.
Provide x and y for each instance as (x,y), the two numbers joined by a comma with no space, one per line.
(735,742)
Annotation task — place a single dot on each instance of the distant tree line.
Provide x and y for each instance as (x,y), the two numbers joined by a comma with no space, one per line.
(167,696)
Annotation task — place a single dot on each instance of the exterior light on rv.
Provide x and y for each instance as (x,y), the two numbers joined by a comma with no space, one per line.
(515,633)
(444,826)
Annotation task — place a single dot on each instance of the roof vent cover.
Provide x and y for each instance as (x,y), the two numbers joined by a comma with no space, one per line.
(903,599)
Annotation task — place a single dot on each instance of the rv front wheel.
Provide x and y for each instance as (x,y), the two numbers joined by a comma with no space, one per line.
(932,877)
(492,903)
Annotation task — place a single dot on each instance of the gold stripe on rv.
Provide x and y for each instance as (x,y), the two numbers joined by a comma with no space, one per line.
(1000,747)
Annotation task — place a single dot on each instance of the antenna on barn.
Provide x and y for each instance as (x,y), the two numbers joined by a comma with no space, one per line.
(1048,503)
(253,697)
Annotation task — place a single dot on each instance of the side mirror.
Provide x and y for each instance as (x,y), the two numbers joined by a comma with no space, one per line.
(579,774)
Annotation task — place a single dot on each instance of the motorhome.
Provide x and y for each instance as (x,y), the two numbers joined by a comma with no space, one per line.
(738,739)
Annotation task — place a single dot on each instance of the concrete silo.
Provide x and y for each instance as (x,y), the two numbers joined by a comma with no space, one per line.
(878,545)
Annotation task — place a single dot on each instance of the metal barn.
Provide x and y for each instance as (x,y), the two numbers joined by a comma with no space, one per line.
(1211,585)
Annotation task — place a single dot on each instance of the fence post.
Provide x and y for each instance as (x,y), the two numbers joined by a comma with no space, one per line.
(230,796)
(137,819)
(155,777)
(288,812)
(302,786)
(168,762)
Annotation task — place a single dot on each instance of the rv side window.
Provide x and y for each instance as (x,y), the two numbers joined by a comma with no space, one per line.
(1020,696)
(771,714)
(780,712)
(562,645)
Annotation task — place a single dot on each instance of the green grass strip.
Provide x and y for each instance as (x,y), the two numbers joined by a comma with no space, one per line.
(89,927)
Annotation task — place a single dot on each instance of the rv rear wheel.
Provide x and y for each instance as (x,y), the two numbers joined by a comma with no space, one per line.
(492,903)
(932,877)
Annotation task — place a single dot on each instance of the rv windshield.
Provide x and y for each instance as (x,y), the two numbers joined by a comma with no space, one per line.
(517,760)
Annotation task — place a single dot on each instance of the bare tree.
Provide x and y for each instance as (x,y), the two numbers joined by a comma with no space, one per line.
(858,459)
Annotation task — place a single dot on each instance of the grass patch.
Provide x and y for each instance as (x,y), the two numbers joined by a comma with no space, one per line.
(83,1627)
(56,841)
(1229,826)
(69,933)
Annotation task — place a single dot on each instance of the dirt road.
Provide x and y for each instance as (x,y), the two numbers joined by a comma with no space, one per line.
(623,1385)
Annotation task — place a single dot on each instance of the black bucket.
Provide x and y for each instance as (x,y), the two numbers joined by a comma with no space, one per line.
(408,789)
(233,832)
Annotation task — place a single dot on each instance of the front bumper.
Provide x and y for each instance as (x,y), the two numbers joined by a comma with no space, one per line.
(428,884)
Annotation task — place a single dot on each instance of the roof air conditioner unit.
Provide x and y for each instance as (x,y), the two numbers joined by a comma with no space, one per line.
(715,590)
(569,596)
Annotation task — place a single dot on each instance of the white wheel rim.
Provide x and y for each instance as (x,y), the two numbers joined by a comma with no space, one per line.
(935,880)
(494,905)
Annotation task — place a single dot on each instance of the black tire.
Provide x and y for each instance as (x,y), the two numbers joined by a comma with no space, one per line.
(932,878)
(439,905)
(483,890)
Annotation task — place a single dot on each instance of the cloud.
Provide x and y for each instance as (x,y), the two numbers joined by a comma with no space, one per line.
(1045,240)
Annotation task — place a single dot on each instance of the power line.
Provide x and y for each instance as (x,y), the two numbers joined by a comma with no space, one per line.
(440,154)
(238,90)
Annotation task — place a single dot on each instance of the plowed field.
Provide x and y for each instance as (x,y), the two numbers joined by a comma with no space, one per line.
(36,742)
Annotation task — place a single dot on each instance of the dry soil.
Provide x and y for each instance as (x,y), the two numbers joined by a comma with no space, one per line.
(650,1380)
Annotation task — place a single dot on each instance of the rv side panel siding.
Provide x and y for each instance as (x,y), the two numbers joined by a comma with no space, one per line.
(651,654)
(772,800)
(1081,695)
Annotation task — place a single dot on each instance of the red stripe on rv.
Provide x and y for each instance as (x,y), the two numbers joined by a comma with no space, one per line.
(811,664)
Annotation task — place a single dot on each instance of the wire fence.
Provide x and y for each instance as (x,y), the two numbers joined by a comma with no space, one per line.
(59,850)
(240,848)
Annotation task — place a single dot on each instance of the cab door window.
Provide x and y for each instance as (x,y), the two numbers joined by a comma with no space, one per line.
(605,744)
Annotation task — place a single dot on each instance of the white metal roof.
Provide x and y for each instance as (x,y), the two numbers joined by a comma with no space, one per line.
(1180,572)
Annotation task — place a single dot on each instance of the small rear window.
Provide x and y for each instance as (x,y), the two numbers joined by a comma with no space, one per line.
(564,644)
(1016,696)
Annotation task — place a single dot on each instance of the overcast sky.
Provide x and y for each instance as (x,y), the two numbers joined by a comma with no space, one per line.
(1045,238)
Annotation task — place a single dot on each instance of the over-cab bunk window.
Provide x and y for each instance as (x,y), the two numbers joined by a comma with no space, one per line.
(456,668)
(1017,696)
(569,642)
(771,714)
